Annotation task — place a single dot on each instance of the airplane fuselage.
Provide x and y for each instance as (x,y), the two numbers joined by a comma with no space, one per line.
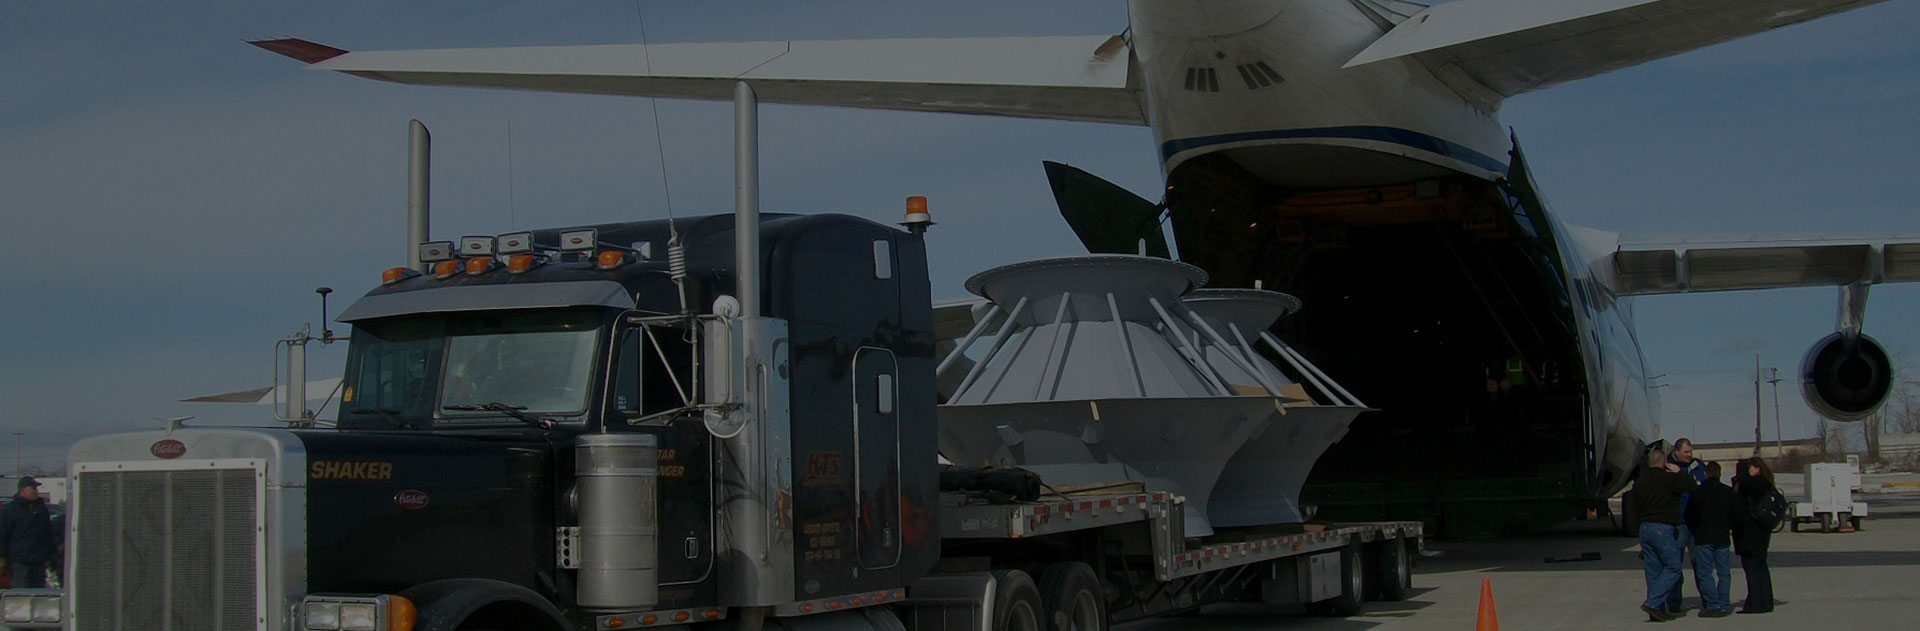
(1252,112)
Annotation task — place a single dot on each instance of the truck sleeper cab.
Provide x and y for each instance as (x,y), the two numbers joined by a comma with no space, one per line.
(450,487)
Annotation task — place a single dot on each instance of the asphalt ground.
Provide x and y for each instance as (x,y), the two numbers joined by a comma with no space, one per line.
(1862,580)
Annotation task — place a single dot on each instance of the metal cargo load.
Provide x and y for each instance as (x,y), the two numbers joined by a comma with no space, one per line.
(1082,383)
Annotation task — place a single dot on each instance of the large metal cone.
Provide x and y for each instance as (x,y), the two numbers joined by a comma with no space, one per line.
(1261,484)
(1087,387)
(1262,481)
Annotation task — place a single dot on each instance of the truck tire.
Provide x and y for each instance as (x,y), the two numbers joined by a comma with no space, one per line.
(1353,587)
(1395,578)
(1073,598)
(1016,602)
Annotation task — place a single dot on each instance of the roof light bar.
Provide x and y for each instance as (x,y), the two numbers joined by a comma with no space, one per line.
(436,251)
(515,243)
(579,240)
(476,246)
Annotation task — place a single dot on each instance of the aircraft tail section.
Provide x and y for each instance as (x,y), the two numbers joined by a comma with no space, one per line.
(1108,219)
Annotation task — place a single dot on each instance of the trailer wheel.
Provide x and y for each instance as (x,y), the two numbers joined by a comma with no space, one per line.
(1353,587)
(1395,578)
(1073,598)
(1016,602)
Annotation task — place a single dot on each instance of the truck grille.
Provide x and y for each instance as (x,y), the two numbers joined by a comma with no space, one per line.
(167,550)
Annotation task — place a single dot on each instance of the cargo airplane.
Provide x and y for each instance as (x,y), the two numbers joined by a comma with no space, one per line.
(1348,152)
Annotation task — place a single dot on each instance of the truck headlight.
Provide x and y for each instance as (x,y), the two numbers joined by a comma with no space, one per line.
(36,608)
(359,617)
(356,612)
(46,609)
(19,609)
(322,616)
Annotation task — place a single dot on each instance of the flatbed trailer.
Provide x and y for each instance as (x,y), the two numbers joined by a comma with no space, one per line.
(1139,550)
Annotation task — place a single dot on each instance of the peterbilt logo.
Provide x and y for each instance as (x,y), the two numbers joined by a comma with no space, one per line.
(411,499)
(168,449)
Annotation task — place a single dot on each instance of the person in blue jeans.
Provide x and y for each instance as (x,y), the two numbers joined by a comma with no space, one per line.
(1656,500)
(1710,514)
(1682,456)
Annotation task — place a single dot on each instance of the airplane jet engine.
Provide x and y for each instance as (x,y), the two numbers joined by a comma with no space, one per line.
(1846,378)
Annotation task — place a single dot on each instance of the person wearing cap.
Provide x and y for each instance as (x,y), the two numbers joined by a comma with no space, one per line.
(26,532)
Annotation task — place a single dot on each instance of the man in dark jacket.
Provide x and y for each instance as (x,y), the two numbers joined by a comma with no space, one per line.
(1710,514)
(26,531)
(1656,500)
(1682,456)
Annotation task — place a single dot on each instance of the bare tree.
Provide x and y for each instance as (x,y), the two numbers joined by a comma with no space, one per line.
(1870,429)
(1905,417)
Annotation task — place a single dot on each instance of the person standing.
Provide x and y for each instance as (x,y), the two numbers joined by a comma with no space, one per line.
(1682,456)
(26,531)
(1710,514)
(1656,500)
(1754,484)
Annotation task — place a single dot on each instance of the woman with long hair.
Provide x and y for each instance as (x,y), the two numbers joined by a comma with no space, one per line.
(1753,481)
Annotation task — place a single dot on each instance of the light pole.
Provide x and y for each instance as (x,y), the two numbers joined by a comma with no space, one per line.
(1779,443)
(16,454)
(1756,405)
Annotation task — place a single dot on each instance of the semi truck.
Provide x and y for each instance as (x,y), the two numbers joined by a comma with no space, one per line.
(715,422)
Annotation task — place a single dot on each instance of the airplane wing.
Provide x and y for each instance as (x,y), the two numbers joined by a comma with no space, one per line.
(316,390)
(1083,78)
(1668,264)
(1516,46)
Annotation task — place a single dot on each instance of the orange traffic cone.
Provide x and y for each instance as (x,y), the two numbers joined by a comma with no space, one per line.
(1489,619)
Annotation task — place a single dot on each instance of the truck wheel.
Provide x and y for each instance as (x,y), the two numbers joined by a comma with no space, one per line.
(1352,587)
(1016,602)
(1395,578)
(1073,598)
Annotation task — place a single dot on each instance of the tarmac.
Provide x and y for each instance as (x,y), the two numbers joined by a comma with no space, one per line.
(1868,579)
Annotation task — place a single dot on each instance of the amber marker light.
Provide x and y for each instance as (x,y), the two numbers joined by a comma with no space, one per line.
(445,269)
(649,619)
(479,265)
(610,259)
(711,614)
(401,613)
(616,623)
(397,274)
(680,616)
(520,263)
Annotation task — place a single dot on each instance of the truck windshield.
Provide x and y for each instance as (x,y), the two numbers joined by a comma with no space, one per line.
(444,369)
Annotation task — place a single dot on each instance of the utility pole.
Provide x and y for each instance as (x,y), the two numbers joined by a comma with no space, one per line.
(16,454)
(1779,443)
(1756,405)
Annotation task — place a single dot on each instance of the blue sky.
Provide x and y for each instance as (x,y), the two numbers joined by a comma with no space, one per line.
(171,196)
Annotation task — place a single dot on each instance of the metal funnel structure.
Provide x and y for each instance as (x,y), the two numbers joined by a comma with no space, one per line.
(1081,384)
(1261,483)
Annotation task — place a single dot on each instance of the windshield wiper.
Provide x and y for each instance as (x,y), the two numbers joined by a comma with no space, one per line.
(390,414)
(509,410)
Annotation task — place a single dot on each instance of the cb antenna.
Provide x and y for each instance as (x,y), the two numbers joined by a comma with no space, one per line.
(676,252)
